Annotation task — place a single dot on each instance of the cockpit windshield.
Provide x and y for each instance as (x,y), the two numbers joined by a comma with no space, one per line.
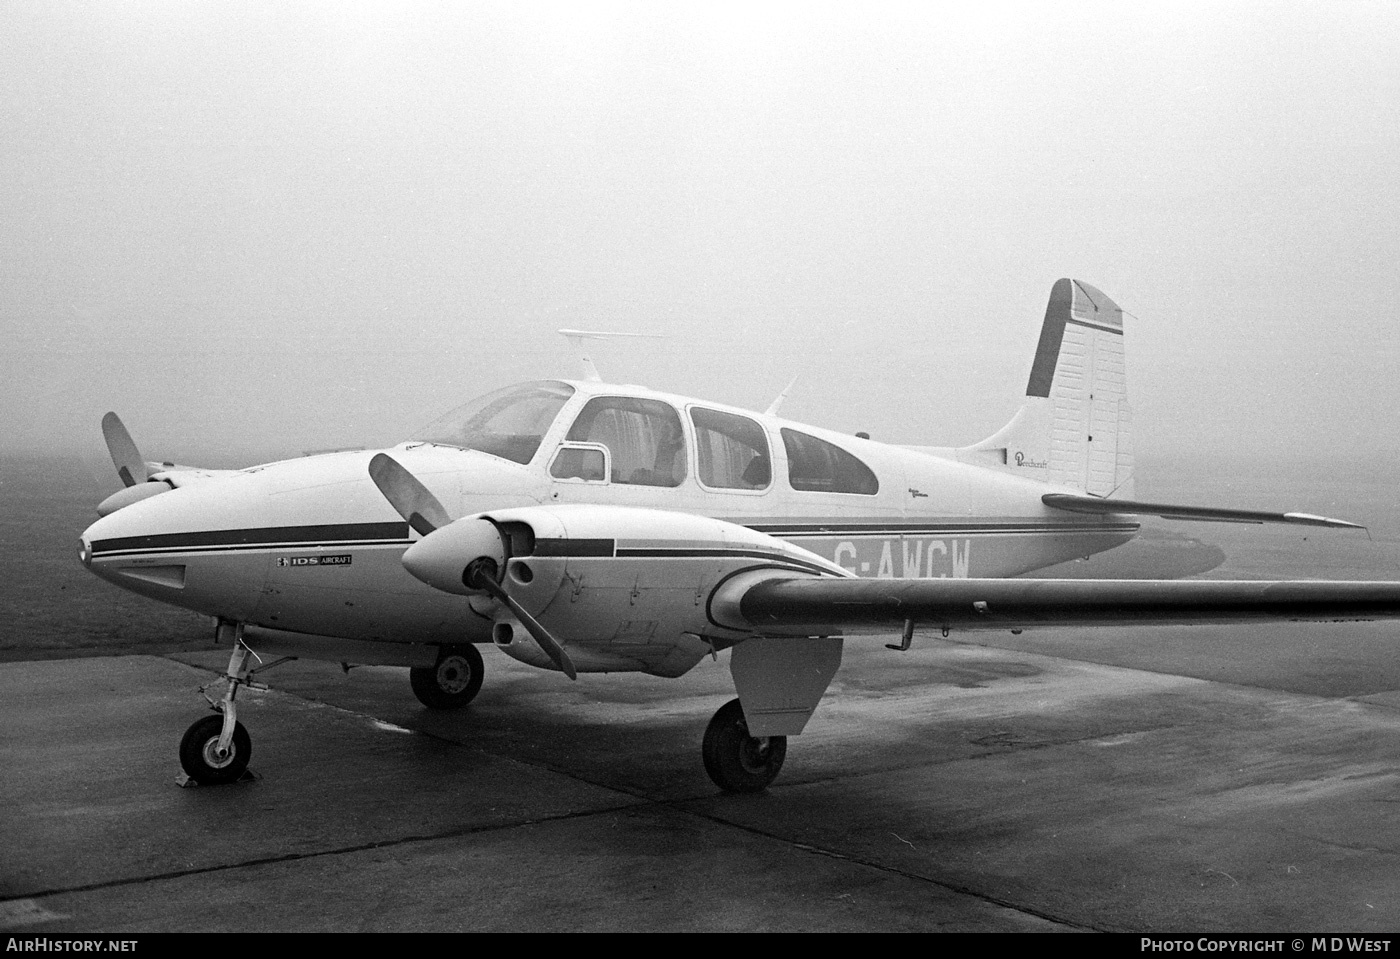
(508,423)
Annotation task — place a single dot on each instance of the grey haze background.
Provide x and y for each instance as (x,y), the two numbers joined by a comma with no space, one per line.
(257,229)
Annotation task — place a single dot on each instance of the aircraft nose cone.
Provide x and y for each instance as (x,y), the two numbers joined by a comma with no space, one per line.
(155,545)
(113,531)
(440,559)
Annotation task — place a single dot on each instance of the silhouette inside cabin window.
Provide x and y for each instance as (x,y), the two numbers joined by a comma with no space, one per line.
(643,437)
(732,451)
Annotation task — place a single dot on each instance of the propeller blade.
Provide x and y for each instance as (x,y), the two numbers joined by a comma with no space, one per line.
(125,456)
(415,503)
(483,580)
(406,494)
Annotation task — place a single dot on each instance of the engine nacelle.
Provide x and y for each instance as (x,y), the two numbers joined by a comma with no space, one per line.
(623,589)
(511,638)
(131,494)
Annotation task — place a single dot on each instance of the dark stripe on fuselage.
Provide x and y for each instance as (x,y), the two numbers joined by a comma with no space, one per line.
(332,535)
(937,529)
(688,552)
(573,547)
(385,534)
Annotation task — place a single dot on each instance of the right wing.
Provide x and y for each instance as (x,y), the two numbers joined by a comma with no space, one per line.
(142,479)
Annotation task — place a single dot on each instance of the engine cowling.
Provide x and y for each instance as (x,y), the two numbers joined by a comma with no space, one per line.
(624,589)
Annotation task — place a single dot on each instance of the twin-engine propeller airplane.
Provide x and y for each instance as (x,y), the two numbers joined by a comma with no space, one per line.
(584,527)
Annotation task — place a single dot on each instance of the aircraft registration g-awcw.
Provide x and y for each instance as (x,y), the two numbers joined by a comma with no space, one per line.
(586,527)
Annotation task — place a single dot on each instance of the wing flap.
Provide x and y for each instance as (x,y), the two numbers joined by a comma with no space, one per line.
(1212,514)
(822,605)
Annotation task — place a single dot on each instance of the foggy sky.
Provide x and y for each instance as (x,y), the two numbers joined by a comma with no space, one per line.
(257,229)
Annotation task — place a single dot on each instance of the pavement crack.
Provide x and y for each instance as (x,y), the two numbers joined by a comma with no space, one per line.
(953,887)
(318,854)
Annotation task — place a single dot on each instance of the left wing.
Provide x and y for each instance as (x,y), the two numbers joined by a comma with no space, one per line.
(825,605)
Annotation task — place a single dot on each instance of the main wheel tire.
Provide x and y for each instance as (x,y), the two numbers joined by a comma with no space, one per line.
(453,682)
(199,752)
(736,761)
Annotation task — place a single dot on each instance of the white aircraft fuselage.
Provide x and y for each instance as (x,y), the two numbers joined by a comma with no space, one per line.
(311,546)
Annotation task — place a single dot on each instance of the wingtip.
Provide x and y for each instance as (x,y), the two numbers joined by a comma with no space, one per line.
(1313,520)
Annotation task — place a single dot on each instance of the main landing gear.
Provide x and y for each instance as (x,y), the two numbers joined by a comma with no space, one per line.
(452,682)
(736,761)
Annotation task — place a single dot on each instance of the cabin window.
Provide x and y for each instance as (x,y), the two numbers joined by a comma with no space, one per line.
(644,439)
(818,466)
(579,462)
(732,451)
(509,423)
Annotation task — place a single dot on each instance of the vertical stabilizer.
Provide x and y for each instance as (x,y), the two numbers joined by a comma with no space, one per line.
(1075,427)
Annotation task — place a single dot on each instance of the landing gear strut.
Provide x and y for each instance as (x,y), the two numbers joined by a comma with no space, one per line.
(736,761)
(453,682)
(216,749)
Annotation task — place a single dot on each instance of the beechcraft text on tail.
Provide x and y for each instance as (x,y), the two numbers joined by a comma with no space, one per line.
(583,527)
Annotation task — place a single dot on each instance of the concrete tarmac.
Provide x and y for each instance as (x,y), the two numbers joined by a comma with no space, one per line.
(1144,780)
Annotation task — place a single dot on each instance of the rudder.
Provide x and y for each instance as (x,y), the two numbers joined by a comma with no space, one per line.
(1074,429)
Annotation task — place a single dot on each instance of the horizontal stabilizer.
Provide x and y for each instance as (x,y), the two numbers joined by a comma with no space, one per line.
(1209,514)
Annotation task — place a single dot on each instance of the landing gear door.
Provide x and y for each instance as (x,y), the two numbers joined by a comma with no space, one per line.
(780,680)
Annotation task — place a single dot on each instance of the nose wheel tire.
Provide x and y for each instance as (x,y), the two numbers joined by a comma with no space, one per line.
(200,756)
(736,761)
(453,682)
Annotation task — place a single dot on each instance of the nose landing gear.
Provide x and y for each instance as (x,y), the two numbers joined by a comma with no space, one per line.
(215,750)
(208,764)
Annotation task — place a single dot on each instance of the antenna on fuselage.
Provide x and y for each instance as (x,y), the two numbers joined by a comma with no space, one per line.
(773,406)
(576,338)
